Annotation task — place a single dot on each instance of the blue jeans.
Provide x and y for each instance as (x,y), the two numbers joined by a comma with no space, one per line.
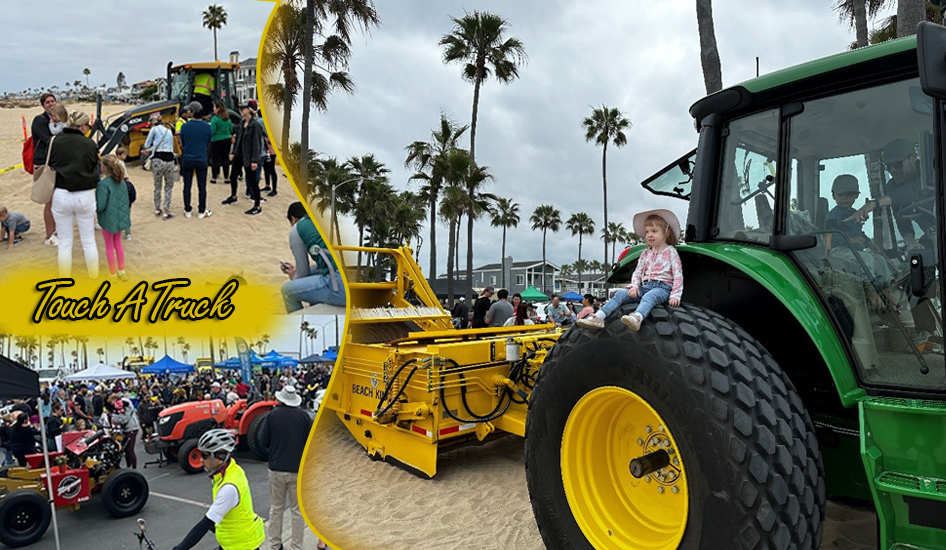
(314,289)
(651,293)
(20,229)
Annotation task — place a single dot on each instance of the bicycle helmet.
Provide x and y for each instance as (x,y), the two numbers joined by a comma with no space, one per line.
(217,440)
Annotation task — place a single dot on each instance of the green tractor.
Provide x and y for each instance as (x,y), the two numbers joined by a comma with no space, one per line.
(807,360)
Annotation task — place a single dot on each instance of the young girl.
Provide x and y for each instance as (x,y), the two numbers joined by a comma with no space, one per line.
(114,210)
(122,154)
(658,278)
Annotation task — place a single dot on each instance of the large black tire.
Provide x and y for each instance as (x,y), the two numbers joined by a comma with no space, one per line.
(125,493)
(189,457)
(754,471)
(24,518)
(252,438)
(170,453)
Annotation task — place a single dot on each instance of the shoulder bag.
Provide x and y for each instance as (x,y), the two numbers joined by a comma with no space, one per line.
(44,180)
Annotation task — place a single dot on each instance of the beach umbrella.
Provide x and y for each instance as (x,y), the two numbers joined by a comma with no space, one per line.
(533,294)
(20,382)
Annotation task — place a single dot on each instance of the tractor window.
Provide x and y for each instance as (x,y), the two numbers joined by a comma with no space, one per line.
(846,150)
(746,196)
(180,87)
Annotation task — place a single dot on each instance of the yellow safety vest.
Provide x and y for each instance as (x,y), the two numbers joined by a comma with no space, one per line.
(204,84)
(241,528)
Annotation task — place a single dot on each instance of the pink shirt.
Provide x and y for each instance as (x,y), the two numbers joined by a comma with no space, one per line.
(663,266)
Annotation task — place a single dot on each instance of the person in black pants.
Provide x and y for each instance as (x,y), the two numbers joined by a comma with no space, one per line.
(195,141)
(220,140)
(249,145)
(22,439)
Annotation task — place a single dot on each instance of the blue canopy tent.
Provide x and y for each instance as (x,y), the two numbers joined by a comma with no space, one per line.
(279,361)
(168,366)
(571,297)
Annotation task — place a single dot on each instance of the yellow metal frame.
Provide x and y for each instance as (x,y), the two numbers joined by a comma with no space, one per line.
(442,378)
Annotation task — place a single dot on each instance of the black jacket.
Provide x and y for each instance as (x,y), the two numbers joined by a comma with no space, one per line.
(23,439)
(76,161)
(41,134)
(284,433)
(249,142)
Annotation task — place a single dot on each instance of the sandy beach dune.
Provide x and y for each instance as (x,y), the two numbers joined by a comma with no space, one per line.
(478,499)
(230,240)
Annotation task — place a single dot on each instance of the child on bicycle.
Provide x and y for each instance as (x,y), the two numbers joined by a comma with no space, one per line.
(658,278)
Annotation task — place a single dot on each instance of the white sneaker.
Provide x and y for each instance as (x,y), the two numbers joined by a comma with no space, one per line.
(204,214)
(53,240)
(632,321)
(592,321)
(187,214)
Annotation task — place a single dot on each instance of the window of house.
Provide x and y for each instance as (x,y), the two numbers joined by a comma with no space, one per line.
(492,279)
(520,280)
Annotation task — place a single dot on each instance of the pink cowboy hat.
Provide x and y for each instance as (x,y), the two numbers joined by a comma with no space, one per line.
(672,222)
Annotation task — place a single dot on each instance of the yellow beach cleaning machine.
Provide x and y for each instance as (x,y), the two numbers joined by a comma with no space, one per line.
(410,386)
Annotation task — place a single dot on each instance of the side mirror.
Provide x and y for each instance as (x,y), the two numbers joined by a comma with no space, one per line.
(788,243)
(931,57)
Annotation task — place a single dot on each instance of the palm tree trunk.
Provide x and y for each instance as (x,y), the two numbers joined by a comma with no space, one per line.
(469,248)
(361,243)
(216,57)
(433,235)
(579,260)
(709,54)
(456,249)
(544,233)
(909,15)
(286,115)
(306,92)
(502,259)
(451,244)
(604,184)
(476,106)
(860,22)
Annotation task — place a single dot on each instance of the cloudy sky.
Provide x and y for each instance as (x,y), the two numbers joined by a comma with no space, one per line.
(51,45)
(641,57)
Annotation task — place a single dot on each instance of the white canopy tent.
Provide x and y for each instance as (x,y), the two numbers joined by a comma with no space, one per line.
(100,372)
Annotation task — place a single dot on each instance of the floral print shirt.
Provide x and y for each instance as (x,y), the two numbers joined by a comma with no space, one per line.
(663,266)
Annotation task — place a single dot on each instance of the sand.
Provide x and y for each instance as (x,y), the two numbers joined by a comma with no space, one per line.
(249,245)
(478,498)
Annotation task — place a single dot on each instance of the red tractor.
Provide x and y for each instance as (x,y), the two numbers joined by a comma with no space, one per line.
(89,464)
(180,426)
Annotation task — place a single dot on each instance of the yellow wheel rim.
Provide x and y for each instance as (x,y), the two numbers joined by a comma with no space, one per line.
(608,428)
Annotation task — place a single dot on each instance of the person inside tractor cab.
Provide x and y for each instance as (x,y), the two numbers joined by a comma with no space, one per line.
(231,516)
(204,86)
(903,191)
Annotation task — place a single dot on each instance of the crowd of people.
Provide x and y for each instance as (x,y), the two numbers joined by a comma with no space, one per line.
(93,192)
(507,311)
(132,406)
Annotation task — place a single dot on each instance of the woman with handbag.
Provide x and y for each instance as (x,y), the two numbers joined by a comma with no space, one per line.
(74,163)
(160,145)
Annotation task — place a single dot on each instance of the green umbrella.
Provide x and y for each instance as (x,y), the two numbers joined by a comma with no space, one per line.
(532,294)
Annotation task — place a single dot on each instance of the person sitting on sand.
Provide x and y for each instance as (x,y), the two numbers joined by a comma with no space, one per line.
(318,283)
(12,225)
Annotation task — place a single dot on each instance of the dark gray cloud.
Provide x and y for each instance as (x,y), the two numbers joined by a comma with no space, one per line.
(642,57)
(50,46)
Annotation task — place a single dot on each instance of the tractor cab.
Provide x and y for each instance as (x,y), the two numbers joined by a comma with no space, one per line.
(197,81)
(816,195)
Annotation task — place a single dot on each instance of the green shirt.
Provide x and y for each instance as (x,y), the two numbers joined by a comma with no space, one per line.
(220,128)
(111,200)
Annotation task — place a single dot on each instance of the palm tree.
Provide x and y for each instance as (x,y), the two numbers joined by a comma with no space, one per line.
(580,224)
(428,159)
(478,43)
(284,55)
(505,214)
(369,172)
(855,14)
(478,204)
(606,125)
(214,17)
(86,72)
(581,266)
(321,76)
(709,54)
(545,217)
(119,80)
(331,173)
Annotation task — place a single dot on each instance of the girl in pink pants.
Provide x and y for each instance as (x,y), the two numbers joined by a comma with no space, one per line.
(114,213)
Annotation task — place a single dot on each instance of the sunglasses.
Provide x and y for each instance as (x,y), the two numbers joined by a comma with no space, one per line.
(895,165)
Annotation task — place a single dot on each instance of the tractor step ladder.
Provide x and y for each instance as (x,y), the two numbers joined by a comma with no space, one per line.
(903,446)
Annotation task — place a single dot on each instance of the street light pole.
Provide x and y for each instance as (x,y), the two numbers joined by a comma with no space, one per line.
(332,221)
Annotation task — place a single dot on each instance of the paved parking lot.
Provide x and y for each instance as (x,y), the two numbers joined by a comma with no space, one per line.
(177,502)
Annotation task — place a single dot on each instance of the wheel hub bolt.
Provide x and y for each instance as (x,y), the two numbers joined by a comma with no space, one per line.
(660,490)
(675,489)
(640,442)
(676,461)
(661,428)
(648,429)
(647,478)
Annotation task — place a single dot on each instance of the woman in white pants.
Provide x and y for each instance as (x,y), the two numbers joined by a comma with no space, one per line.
(75,158)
